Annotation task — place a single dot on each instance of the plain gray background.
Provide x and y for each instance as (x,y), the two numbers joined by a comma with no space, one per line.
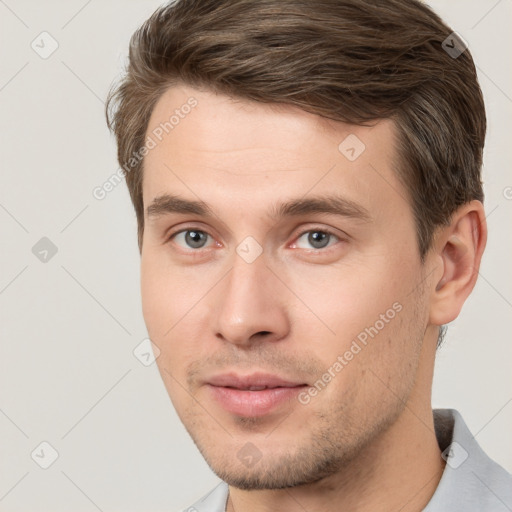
(69,325)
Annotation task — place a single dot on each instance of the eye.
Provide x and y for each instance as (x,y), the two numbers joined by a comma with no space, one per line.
(196,239)
(190,238)
(317,238)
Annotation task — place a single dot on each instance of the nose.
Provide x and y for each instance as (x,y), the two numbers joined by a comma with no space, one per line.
(250,304)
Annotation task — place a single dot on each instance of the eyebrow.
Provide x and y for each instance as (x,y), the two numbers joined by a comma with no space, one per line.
(332,204)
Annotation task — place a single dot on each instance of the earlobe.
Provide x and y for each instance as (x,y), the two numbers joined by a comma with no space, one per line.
(459,248)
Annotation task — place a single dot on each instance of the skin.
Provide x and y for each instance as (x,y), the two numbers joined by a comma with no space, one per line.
(366,441)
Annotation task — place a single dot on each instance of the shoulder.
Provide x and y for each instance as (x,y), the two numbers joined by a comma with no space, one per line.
(471,480)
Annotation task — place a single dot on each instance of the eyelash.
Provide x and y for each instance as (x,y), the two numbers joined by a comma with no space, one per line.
(300,235)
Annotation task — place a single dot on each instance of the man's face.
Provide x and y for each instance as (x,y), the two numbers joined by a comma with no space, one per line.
(336,301)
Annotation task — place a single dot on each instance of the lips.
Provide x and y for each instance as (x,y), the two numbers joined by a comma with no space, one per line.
(253,395)
(253,382)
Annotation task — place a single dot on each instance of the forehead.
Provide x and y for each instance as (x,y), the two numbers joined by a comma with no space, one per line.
(215,148)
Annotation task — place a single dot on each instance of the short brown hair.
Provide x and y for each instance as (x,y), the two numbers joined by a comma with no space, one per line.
(354,61)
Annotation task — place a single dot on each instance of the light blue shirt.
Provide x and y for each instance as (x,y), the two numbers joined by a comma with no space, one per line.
(471,481)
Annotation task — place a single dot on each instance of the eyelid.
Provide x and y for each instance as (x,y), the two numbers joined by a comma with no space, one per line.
(174,230)
(318,228)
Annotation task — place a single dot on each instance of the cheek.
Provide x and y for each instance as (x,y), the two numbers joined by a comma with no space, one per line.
(369,316)
(152,291)
(377,374)
(164,295)
(169,304)
(339,302)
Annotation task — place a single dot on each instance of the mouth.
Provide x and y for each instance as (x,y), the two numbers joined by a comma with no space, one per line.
(254,395)
(254,402)
(253,382)
(256,388)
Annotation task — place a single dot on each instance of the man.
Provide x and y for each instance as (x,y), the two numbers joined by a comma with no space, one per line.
(306,179)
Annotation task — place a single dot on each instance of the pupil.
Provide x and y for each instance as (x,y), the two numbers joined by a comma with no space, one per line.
(318,241)
(193,238)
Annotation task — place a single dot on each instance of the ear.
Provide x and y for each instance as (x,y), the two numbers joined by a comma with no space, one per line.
(458,250)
